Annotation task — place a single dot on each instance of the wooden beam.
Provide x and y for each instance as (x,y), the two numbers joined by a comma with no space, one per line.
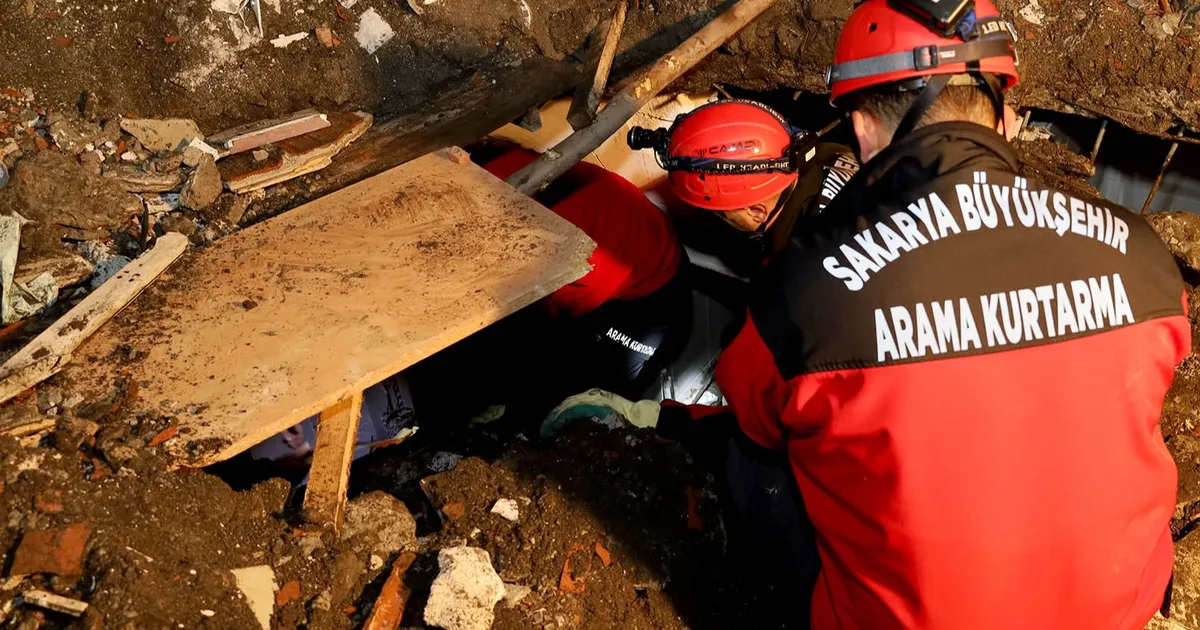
(329,477)
(604,41)
(636,94)
(49,351)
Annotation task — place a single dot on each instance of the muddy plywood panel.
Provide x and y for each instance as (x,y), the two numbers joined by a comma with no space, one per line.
(280,321)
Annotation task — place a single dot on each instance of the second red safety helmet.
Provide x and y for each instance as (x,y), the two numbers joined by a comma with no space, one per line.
(728,155)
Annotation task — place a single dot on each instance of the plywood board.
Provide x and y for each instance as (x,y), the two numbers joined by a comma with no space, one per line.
(280,321)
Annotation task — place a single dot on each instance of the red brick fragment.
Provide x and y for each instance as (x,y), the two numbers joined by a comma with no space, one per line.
(57,551)
(62,41)
(48,502)
(171,39)
(289,593)
(454,511)
(164,435)
(695,522)
(602,553)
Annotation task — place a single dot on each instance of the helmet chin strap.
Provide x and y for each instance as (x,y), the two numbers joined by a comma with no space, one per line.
(933,88)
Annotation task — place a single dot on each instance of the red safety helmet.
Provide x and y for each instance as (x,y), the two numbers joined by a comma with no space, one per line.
(726,155)
(882,44)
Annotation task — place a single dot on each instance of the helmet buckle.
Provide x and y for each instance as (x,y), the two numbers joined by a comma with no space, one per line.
(926,57)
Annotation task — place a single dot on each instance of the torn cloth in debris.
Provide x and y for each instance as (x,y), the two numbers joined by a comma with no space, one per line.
(387,414)
(17,300)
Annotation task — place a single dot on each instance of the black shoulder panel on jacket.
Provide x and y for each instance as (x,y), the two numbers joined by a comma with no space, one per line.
(977,261)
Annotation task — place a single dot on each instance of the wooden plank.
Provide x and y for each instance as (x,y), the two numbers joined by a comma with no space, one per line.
(279,321)
(329,476)
(49,351)
(466,110)
(605,40)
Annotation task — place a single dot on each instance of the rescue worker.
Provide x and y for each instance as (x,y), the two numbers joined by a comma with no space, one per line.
(965,367)
(631,315)
(753,177)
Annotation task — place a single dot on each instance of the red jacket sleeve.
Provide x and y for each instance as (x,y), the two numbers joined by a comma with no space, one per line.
(759,396)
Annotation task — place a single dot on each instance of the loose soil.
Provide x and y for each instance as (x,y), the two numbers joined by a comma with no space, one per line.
(634,516)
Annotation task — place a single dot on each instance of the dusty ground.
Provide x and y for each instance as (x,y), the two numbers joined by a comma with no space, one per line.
(159,546)
(1119,58)
(636,518)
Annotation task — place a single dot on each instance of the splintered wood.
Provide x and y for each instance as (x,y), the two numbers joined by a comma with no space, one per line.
(283,320)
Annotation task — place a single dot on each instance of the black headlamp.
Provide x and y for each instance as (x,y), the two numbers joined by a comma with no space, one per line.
(802,150)
(945,17)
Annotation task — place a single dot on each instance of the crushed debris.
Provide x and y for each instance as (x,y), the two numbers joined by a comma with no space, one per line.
(373,31)
(55,551)
(203,185)
(283,41)
(507,509)
(296,156)
(377,522)
(465,592)
(257,585)
(257,134)
(56,603)
(162,135)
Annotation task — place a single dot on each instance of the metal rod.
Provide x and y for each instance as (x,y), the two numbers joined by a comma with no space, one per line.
(636,94)
(1161,172)
(1099,139)
(1024,122)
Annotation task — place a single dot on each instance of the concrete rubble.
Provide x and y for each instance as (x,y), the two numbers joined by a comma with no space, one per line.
(162,135)
(203,185)
(373,31)
(465,592)
(379,523)
(257,585)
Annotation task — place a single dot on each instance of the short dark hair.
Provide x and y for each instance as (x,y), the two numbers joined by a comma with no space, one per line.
(970,103)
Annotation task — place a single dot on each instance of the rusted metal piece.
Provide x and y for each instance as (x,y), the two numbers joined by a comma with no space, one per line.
(1161,173)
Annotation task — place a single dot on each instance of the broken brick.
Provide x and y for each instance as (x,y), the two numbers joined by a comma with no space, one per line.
(567,582)
(289,593)
(163,435)
(602,553)
(48,502)
(694,521)
(41,142)
(325,36)
(454,511)
(171,39)
(341,13)
(57,551)
(62,41)
(11,93)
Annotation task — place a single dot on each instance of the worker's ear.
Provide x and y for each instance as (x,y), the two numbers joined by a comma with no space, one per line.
(1009,130)
(872,137)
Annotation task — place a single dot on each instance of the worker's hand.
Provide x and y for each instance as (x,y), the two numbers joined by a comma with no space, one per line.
(597,403)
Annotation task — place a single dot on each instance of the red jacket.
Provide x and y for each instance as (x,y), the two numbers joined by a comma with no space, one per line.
(636,249)
(967,371)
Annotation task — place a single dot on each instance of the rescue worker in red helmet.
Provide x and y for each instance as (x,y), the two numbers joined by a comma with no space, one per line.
(964,367)
(740,161)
